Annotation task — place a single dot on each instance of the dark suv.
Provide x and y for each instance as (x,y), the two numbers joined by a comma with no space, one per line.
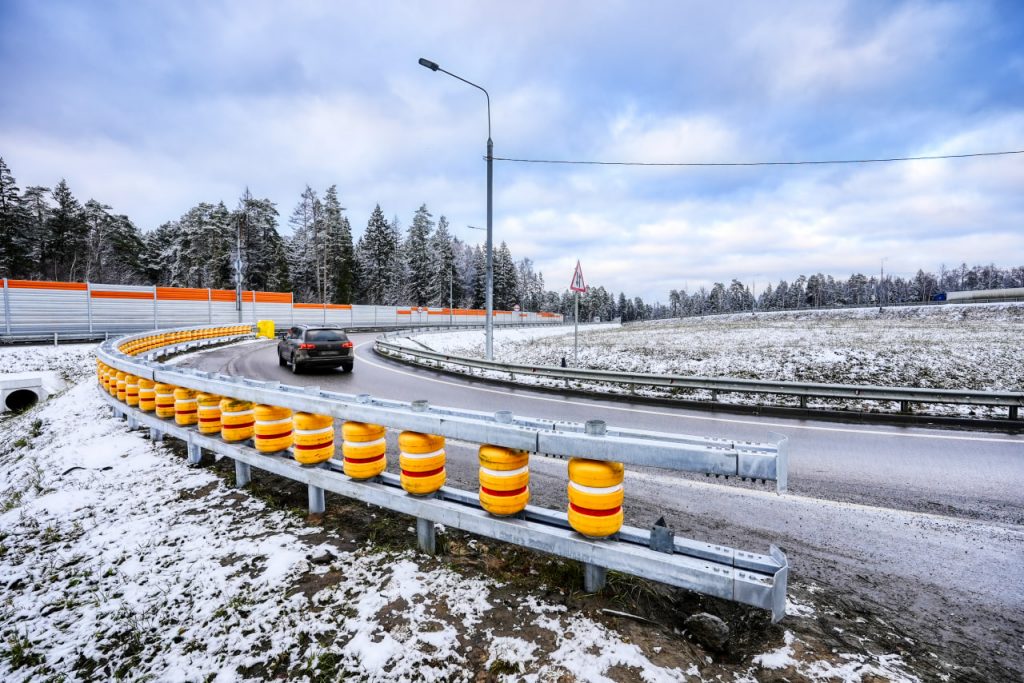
(315,346)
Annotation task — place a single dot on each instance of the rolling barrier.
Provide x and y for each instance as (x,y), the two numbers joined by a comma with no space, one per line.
(36,310)
(289,431)
(905,396)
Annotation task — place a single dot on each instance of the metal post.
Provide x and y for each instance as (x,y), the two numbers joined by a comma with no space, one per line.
(209,306)
(1013,412)
(576,333)
(316,500)
(7,308)
(426,536)
(155,435)
(54,338)
(594,578)
(243,474)
(88,305)
(195,454)
(155,318)
(238,268)
(489,325)
(133,424)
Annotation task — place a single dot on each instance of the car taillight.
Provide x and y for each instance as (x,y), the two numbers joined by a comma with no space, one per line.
(307,346)
(347,345)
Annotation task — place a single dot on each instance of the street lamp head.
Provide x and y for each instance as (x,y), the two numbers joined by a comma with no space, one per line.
(429,64)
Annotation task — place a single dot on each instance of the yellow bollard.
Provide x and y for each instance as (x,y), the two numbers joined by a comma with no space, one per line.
(421,457)
(364,448)
(595,497)
(504,480)
(120,385)
(147,395)
(314,438)
(112,381)
(273,428)
(236,419)
(164,400)
(209,413)
(131,390)
(186,412)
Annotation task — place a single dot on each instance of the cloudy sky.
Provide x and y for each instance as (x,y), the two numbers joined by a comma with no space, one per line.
(152,107)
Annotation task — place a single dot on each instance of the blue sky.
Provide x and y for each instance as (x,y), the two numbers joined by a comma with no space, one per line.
(153,107)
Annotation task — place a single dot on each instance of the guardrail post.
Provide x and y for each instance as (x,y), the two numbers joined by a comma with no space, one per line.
(317,505)
(133,424)
(803,401)
(1013,412)
(426,536)
(594,578)
(195,454)
(243,474)
(904,406)
(155,435)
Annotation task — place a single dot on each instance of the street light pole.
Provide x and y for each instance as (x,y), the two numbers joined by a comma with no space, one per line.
(489,322)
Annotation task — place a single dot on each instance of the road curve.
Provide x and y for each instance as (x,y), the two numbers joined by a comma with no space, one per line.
(924,525)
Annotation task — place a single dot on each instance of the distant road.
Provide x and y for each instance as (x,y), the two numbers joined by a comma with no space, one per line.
(921,523)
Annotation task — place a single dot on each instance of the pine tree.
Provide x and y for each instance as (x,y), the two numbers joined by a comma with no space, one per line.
(304,249)
(417,258)
(264,252)
(505,279)
(37,215)
(339,252)
(479,287)
(66,237)
(14,241)
(377,253)
(445,286)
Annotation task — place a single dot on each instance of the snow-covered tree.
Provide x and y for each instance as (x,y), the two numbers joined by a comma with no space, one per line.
(419,263)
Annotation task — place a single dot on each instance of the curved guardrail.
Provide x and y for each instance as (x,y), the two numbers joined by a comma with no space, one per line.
(905,396)
(750,578)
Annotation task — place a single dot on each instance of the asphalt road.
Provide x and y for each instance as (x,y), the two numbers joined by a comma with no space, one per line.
(925,526)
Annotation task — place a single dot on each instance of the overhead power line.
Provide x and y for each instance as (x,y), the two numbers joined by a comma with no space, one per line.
(756,163)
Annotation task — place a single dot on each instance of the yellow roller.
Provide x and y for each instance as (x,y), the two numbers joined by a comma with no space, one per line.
(112,381)
(120,385)
(131,390)
(504,480)
(595,497)
(186,411)
(164,402)
(314,438)
(364,448)
(421,457)
(147,395)
(273,428)
(209,413)
(236,419)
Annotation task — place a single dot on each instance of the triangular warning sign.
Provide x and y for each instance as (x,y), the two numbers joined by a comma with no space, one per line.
(577,284)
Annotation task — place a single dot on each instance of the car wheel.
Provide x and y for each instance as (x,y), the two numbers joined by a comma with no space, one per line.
(346,367)
(294,366)
(280,360)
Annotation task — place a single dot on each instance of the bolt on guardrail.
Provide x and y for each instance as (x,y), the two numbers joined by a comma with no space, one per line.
(749,578)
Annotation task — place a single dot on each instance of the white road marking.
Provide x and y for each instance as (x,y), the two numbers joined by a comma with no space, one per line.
(704,418)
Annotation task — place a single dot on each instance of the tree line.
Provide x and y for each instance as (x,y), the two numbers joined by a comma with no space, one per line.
(47,234)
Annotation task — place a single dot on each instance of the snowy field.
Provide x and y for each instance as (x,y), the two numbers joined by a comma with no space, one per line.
(119,561)
(952,346)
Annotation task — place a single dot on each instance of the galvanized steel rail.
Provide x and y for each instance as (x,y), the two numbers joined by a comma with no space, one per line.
(750,578)
(905,396)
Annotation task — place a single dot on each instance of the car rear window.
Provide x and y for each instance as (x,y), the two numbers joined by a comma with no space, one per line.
(325,336)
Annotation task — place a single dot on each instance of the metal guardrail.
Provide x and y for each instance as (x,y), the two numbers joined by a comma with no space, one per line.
(749,578)
(905,396)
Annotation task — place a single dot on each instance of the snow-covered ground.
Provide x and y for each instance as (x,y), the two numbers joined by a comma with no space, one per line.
(118,561)
(951,346)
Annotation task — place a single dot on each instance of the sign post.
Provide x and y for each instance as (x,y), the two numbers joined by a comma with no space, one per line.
(577,285)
